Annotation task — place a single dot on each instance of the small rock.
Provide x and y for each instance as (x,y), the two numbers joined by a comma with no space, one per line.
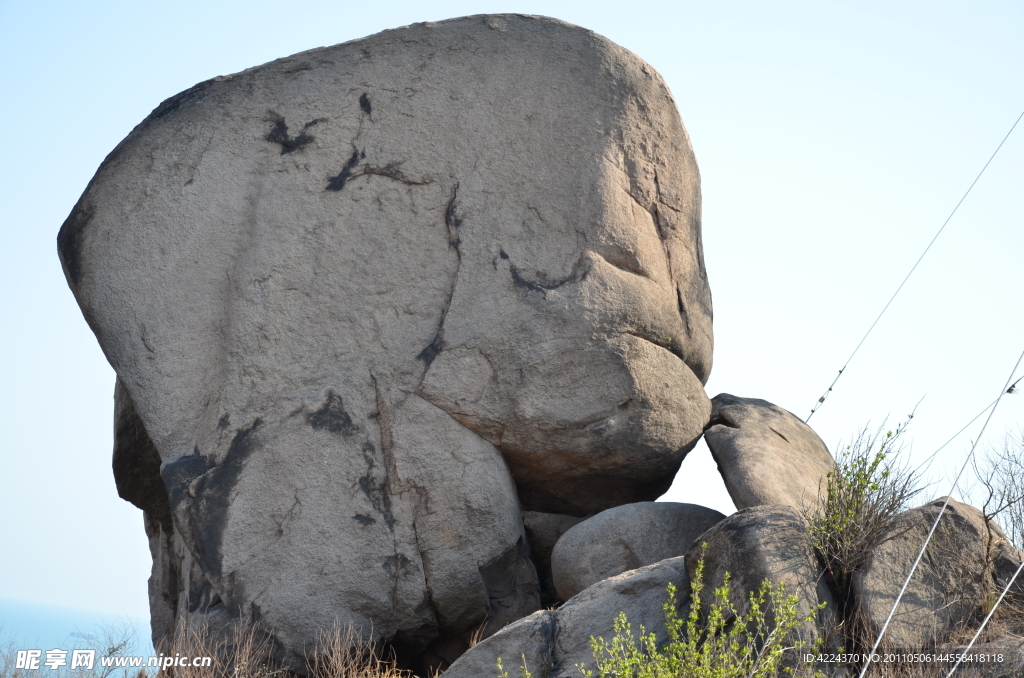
(625,538)
(765,454)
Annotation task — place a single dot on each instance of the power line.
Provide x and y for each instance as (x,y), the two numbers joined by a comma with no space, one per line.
(1006,389)
(821,400)
(927,462)
(989,616)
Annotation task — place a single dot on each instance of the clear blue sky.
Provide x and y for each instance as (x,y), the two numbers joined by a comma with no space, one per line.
(833,140)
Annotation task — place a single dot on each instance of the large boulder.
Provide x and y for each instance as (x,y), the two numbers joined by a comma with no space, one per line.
(370,301)
(553,642)
(767,543)
(965,566)
(765,454)
(625,538)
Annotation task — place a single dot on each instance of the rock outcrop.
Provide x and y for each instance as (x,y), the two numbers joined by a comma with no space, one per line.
(962,570)
(965,567)
(369,302)
(754,545)
(766,455)
(624,538)
(553,642)
(767,543)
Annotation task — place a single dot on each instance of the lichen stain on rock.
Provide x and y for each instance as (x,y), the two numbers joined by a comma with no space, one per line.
(332,416)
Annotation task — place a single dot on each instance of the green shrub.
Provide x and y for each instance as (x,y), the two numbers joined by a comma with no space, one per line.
(723,643)
(865,492)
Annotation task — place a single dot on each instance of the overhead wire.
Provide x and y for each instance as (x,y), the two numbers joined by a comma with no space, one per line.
(928,460)
(821,400)
(917,561)
(981,628)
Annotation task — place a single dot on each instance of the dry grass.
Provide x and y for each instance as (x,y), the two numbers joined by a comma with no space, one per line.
(114,640)
(244,651)
(865,494)
(341,654)
(1001,474)
(247,652)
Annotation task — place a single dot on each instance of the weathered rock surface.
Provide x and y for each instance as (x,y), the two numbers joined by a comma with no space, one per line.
(543,530)
(625,538)
(766,542)
(370,301)
(964,564)
(765,454)
(553,642)
(967,565)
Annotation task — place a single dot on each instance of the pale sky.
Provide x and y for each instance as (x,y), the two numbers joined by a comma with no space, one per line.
(833,139)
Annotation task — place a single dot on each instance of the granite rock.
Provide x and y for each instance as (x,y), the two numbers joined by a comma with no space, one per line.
(765,454)
(625,538)
(370,301)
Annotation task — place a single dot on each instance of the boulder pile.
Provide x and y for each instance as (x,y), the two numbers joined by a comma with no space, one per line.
(369,303)
(409,334)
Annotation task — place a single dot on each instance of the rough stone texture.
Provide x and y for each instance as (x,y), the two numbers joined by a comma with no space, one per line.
(543,530)
(625,538)
(765,454)
(554,642)
(962,566)
(766,542)
(352,294)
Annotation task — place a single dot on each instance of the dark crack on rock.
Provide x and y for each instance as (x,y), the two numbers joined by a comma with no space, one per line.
(332,416)
(433,349)
(214,483)
(551,649)
(453,222)
(772,429)
(364,103)
(351,170)
(578,274)
(279,135)
(391,171)
(670,345)
(338,182)
(374,484)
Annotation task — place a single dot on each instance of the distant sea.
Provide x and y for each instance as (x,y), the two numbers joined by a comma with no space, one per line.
(34,626)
